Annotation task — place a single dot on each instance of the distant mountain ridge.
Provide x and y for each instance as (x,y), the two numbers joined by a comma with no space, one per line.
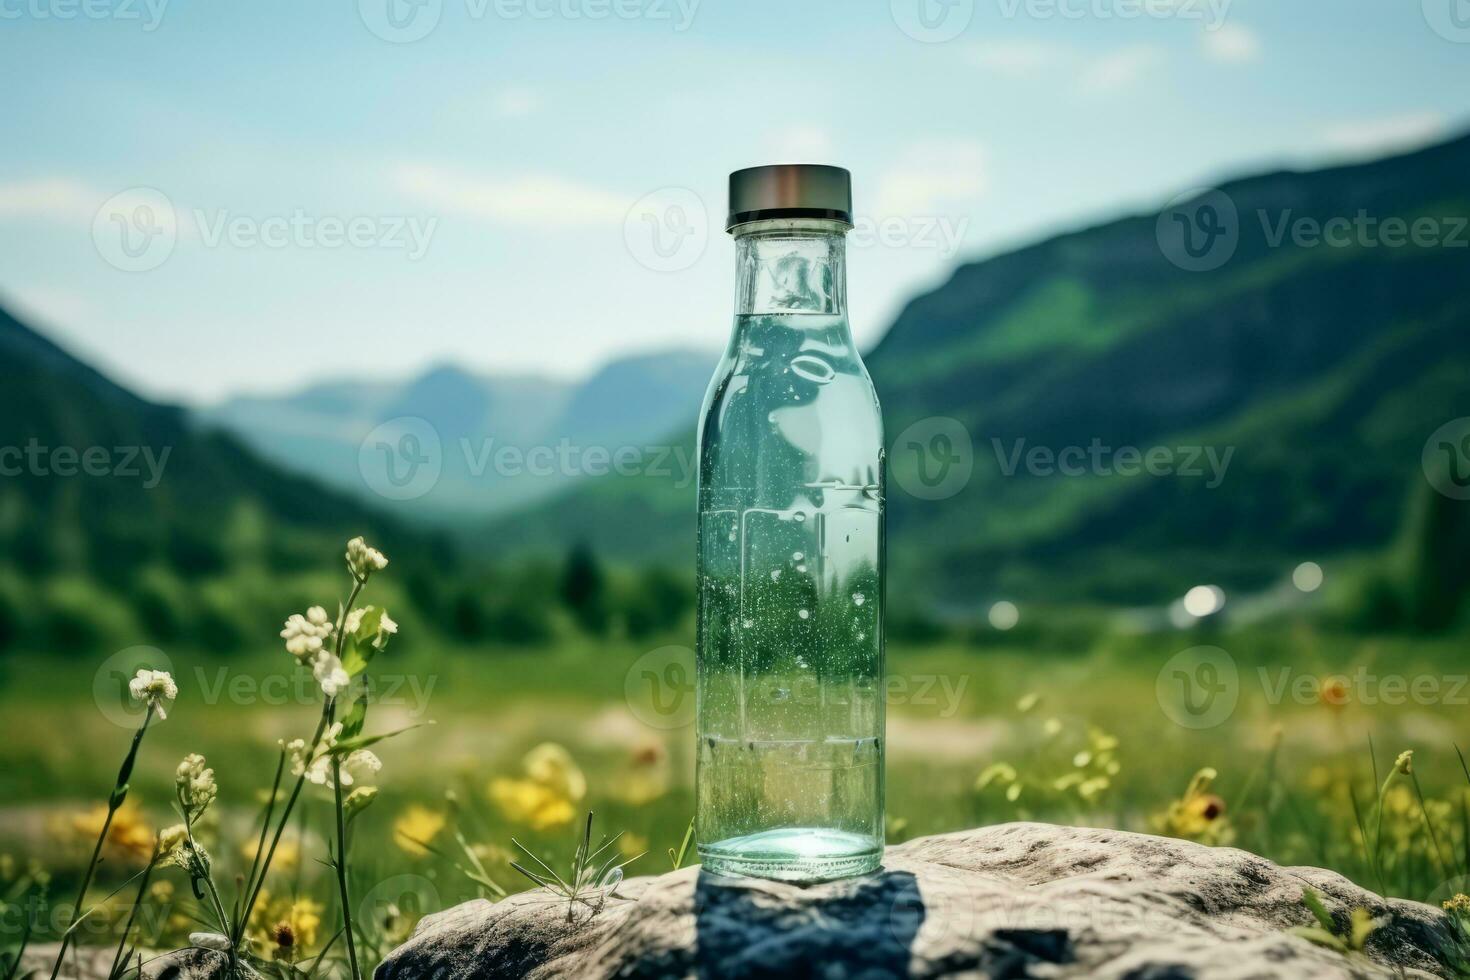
(1321,369)
(322,429)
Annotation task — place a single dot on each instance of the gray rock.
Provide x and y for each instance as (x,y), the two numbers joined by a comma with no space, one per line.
(93,962)
(1018,900)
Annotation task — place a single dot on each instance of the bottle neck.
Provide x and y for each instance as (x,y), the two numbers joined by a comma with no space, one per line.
(791,266)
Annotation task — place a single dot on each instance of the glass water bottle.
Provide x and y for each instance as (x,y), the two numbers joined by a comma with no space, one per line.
(790,552)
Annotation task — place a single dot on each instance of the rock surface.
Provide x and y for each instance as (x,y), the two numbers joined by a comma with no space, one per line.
(94,962)
(1018,900)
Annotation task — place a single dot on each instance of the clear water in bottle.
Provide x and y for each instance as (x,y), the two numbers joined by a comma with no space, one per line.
(790,555)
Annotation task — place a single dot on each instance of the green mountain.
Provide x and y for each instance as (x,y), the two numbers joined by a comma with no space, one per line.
(1312,369)
(121,521)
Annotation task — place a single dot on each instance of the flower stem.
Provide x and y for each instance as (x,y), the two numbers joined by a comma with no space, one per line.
(341,864)
(122,942)
(114,801)
(328,710)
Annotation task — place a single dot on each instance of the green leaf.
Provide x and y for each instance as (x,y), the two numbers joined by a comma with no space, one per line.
(356,718)
(1363,926)
(360,646)
(349,745)
(1313,902)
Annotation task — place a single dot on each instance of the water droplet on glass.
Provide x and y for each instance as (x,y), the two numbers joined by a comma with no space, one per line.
(858,598)
(804,613)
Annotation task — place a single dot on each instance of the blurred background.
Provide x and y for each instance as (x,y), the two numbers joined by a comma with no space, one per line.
(1166,303)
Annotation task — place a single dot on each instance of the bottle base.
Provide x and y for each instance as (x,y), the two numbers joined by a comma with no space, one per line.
(795,854)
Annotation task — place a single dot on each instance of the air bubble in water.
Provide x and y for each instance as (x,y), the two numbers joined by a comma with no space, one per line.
(797,556)
(747,623)
(858,598)
(804,613)
(801,568)
(775,575)
(800,517)
(780,694)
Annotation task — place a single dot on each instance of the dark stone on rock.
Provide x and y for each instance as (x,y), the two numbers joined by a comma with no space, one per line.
(1013,901)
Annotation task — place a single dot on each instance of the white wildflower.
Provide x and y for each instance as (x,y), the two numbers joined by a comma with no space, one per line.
(353,622)
(304,635)
(363,560)
(330,674)
(155,688)
(357,767)
(386,628)
(360,766)
(196,785)
(171,842)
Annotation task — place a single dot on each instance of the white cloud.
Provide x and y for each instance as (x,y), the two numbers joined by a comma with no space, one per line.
(929,176)
(1017,58)
(530,199)
(515,103)
(1385,133)
(1231,44)
(61,198)
(1119,69)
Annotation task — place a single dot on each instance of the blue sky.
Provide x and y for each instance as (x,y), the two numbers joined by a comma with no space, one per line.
(333,196)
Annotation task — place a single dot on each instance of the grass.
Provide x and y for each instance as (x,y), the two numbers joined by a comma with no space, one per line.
(1066,735)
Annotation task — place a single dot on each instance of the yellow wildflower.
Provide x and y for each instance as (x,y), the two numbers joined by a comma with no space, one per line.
(128,837)
(416,826)
(548,796)
(527,801)
(288,853)
(1199,815)
(287,925)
